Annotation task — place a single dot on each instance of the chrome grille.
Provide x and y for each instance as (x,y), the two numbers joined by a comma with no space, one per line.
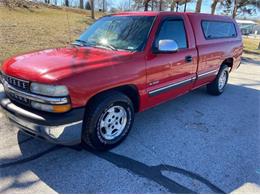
(18,98)
(17,83)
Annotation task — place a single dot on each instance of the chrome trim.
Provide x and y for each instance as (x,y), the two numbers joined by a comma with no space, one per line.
(167,45)
(193,78)
(207,73)
(67,134)
(16,82)
(36,98)
(5,75)
(168,87)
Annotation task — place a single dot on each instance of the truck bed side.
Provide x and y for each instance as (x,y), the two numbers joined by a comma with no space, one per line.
(214,52)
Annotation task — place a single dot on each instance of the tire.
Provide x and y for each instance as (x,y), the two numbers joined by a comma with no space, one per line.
(218,85)
(108,120)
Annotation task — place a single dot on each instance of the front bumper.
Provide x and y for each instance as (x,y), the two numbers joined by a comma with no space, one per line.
(62,129)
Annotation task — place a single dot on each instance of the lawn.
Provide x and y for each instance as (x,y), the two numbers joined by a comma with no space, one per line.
(22,30)
(251,45)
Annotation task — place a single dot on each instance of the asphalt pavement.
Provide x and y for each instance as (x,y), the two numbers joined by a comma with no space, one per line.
(196,143)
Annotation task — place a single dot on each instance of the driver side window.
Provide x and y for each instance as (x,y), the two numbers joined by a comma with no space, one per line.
(174,30)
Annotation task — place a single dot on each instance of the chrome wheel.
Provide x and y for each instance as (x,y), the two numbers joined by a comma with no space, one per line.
(113,122)
(222,80)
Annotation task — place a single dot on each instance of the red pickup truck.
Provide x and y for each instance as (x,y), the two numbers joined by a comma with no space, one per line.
(124,63)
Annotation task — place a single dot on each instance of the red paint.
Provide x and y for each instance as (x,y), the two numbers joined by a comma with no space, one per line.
(89,71)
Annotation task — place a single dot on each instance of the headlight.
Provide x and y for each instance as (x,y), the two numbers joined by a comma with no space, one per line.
(49,90)
(51,108)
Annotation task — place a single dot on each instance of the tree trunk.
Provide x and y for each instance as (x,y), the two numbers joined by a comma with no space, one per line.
(160,5)
(185,6)
(145,6)
(104,5)
(213,6)
(67,3)
(146,3)
(234,13)
(259,45)
(81,6)
(198,6)
(92,9)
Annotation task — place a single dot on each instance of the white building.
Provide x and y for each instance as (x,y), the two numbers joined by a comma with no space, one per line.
(246,26)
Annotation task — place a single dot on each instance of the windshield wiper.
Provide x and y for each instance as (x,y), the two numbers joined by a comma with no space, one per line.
(82,42)
(105,46)
(100,45)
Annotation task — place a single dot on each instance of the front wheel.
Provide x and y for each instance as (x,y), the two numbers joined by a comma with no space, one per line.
(108,120)
(218,85)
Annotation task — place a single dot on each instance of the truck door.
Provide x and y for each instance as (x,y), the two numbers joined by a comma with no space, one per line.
(172,74)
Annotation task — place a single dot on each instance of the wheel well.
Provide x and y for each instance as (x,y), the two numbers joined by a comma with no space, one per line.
(130,91)
(228,62)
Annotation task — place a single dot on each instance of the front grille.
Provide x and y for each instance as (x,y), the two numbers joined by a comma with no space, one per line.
(18,98)
(17,83)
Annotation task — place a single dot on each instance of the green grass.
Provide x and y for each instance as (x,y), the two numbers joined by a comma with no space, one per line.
(22,30)
(251,45)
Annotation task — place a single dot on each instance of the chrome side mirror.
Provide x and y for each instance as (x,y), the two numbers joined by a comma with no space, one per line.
(167,46)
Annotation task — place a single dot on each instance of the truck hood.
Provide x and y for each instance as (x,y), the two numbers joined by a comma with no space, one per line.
(54,64)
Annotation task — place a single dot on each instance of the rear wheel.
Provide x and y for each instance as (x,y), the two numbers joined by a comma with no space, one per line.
(218,85)
(108,120)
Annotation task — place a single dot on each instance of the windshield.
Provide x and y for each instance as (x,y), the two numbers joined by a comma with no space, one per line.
(118,33)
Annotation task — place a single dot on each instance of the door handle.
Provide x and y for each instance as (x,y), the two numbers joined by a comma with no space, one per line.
(188,59)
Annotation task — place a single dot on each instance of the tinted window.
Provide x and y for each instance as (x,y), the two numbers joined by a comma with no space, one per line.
(174,30)
(218,29)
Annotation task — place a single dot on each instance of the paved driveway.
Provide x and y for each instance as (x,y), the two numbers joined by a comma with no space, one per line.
(196,143)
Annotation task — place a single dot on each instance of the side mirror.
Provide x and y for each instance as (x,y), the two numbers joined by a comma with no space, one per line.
(167,46)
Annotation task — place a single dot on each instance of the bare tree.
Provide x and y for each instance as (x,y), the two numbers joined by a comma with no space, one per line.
(160,5)
(137,4)
(81,4)
(198,6)
(244,6)
(146,4)
(66,3)
(123,5)
(236,7)
(154,4)
(92,8)
(214,5)
(104,5)
(178,3)
(234,12)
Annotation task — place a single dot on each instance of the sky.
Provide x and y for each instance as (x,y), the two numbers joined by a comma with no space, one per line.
(206,7)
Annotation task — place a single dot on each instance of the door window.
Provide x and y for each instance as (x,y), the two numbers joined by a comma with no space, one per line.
(174,30)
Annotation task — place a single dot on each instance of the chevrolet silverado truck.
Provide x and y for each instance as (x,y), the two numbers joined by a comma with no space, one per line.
(124,63)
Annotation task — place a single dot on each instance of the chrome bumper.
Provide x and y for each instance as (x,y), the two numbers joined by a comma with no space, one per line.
(69,134)
(64,129)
